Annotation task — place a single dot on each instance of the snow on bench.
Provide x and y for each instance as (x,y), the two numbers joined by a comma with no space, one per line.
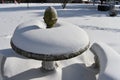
(109,61)
(2,61)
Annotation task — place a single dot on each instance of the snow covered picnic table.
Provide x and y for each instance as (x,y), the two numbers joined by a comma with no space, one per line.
(64,41)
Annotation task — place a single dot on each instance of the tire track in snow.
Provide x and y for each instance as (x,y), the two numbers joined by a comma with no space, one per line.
(99,28)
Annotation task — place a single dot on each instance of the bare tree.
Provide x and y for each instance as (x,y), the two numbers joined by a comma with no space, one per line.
(64,2)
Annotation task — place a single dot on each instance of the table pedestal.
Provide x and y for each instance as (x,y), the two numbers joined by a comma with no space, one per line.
(49,65)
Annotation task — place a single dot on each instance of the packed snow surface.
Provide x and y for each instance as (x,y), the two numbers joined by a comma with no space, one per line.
(98,25)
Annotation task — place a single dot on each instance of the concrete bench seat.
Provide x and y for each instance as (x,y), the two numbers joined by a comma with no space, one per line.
(108,60)
(2,62)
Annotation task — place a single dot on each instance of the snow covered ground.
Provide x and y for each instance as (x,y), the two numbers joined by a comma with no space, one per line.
(98,25)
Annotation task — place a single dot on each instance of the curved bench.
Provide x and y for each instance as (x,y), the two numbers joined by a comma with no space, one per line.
(2,61)
(109,65)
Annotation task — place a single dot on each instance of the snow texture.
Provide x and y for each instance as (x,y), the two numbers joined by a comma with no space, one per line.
(99,26)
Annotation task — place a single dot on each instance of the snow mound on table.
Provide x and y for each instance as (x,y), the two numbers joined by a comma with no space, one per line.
(63,38)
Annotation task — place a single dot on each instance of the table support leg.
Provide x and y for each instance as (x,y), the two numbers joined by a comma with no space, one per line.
(49,65)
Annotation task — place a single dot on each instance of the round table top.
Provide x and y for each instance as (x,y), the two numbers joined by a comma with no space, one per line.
(64,41)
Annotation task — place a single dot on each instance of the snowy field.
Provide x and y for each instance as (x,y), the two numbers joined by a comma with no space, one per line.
(98,25)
